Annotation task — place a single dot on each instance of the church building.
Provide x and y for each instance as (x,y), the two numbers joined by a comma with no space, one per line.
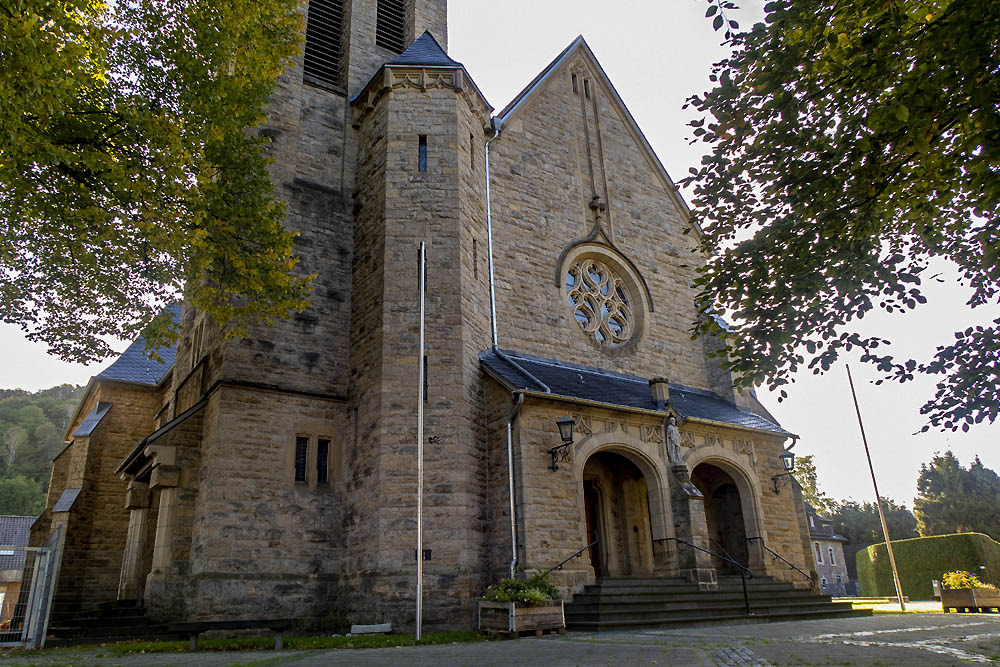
(276,475)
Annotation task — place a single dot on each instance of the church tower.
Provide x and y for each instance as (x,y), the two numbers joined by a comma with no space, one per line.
(292,467)
(421,177)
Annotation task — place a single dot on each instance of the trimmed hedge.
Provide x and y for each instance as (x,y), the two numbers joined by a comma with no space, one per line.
(921,559)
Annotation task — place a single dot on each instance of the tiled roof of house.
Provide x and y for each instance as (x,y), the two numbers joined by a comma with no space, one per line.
(14,532)
(425,51)
(820,527)
(134,366)
(594,384)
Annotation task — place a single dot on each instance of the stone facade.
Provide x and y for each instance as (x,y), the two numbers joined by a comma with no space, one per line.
(275,476)
(827,550)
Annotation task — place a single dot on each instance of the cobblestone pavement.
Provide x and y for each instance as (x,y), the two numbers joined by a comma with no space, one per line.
(913,640)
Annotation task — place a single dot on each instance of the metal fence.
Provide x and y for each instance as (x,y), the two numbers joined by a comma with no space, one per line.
(28,578)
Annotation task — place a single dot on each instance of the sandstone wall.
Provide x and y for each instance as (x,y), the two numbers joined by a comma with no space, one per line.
(554,154)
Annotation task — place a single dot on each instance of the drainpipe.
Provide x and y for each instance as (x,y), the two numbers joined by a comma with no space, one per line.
(510,480)
(496,124)
(489,233)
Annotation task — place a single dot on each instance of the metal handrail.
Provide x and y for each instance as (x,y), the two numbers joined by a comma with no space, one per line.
(745,572)
(720,547)
(776,556)
(576,554)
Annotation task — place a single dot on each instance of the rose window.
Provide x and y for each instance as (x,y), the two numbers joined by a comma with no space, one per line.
(600,301)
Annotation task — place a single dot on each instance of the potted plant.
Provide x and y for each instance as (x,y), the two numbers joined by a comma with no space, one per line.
(515,606)
(963,591)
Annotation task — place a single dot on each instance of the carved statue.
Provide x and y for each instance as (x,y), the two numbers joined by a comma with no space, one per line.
(673,441)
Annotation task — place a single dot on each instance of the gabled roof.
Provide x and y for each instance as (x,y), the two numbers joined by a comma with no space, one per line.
(425,52)
(134,366)
(580,44)
(573,381)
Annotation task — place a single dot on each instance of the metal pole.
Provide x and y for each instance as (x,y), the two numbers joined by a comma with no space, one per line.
(422,271)
(878,498)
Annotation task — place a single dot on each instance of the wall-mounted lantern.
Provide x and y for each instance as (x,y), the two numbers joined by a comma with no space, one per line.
(560,452)
(788,463)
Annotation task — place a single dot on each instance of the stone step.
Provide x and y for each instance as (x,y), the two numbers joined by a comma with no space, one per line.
(732,619)
(694,599)
(695,603)
(683,612)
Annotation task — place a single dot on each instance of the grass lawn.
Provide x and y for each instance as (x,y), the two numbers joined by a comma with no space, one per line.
(266,643)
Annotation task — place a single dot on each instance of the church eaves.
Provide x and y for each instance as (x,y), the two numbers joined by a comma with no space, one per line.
(594,385)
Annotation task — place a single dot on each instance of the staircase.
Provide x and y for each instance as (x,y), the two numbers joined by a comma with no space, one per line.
(121,620)
(619,603)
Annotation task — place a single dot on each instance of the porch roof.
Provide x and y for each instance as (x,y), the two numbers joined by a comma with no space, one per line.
(565,380)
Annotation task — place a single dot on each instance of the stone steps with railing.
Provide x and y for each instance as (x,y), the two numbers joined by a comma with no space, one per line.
(623,603)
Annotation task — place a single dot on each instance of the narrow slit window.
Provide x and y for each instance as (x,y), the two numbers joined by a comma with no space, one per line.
(426,384)
(301,454)
(576,86)
(475,259)
(324,24)
(422,153)
(833,561)
(472,151)
(323,462)
(390,24)
(586,88)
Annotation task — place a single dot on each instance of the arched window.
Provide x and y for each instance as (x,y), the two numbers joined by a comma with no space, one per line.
(833,561)
(819,553)
(601,301)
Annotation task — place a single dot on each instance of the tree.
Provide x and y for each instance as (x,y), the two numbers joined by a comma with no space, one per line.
(129,171)
(860,523)
(21,496)
(851,143)
(805,475)
(952,499)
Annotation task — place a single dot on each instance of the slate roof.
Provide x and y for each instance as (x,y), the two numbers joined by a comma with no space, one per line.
(425,52)
(594,384)
(134,366)
(91,421)
(14,532)
(821,527)
(66,500)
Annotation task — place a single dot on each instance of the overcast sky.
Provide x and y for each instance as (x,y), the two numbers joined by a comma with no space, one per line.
(657,53)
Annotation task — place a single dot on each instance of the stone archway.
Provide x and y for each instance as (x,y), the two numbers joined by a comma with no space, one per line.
(616,499)
(723,514)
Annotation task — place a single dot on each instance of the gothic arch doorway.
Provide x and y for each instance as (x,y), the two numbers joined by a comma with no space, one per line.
(724,513)
(616,506)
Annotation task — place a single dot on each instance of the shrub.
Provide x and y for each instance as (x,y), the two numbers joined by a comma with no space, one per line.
(921,559)
(535,591)
(963,579)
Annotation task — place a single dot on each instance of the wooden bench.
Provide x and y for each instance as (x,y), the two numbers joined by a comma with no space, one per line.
(276,625)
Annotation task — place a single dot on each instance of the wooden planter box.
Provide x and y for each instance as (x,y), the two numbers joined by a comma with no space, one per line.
(517,617)
(970,599)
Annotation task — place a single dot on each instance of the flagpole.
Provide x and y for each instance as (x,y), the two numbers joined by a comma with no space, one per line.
(422,273)
(878,498)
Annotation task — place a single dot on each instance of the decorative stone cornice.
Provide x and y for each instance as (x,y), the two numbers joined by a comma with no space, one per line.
(398,77)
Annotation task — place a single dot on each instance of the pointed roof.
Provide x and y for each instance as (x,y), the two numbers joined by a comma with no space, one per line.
(425,52)
(581,44)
